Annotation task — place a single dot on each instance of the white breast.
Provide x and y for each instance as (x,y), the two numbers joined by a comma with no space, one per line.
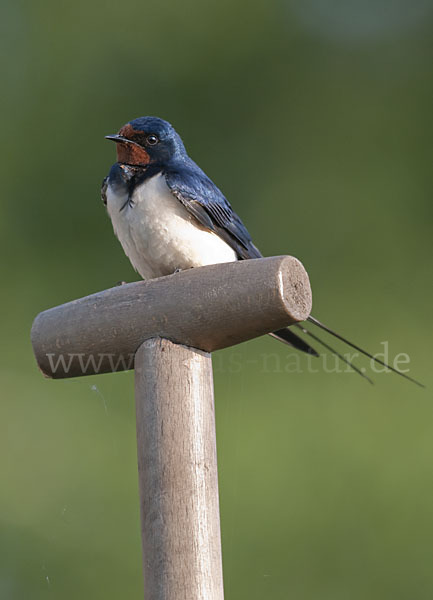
(159,235)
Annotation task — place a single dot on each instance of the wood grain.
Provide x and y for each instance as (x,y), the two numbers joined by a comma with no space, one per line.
(178,479)
(208,308)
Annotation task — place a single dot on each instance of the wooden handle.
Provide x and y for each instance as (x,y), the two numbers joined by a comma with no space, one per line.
(209,308)
(177,466)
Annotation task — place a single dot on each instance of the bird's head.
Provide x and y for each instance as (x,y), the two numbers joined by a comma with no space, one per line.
(147,140)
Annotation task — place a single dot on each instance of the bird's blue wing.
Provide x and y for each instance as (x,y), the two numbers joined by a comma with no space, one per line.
(191,186)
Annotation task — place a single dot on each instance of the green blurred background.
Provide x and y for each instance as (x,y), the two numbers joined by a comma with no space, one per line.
(314,117)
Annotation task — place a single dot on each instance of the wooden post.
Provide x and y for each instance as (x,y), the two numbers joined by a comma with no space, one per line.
(199,311)
(178,477)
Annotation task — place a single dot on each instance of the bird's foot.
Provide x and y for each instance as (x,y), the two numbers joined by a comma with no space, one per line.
(178,270)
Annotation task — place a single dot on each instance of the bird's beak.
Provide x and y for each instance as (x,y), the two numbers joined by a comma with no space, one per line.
(116,138)
(121,139)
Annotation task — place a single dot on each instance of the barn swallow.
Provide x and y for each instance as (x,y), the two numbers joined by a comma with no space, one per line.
(169,216)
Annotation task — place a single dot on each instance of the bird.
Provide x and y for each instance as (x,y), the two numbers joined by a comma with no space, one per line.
(169,216)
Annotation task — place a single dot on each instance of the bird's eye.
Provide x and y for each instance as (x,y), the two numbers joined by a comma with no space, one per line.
(152,139)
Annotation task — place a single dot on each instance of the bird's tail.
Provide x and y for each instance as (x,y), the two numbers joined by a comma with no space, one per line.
(287,336)
(316,322)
